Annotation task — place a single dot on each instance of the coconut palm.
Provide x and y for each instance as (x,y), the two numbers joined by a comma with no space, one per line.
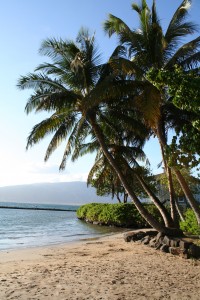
(67,87)
(125,142)
(150,48)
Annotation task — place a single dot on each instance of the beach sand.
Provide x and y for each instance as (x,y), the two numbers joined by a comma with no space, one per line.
(105,268)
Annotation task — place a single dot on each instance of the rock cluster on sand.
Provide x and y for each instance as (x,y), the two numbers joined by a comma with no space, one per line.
(175,246)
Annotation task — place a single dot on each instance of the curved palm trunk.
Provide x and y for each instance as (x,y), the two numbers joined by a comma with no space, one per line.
(162,142)
(191,200)
(173,206)
(162,209)
(146,215)
(179,210)
(187,192)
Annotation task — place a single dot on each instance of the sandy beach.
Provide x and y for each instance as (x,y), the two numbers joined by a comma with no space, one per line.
(105,268)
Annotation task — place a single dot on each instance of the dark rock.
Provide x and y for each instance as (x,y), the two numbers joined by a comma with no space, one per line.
(158,245)
(184,254)
(159,236)
(133,236)
(164,248)
(151,233)
(194,251)
(153,243)
(145,240)
(175,242)
(174,250)
(166,240)
(184,244)
(179,252)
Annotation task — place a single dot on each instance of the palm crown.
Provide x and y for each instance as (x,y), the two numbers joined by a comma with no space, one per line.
(62,87)
(150,50)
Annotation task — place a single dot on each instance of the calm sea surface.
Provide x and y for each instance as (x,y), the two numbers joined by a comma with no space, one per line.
(32,228)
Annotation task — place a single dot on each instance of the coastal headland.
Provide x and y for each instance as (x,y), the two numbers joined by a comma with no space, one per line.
(105,268)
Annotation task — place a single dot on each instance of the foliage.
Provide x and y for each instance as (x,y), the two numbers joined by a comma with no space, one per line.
(183,88)
(190,224)
(120,214)
(85,98)
(62,88)
(104,179)
(182,85)
(192,181)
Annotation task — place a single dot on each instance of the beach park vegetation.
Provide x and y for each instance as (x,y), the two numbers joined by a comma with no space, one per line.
(127,216)
(117,214)
(114,107)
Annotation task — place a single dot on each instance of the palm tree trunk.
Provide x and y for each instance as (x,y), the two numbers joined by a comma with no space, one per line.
(125,197)
(118,198)
(189,196)
(187,192)
(145,214)
(179,210)
(162,209)
(173,206)
(163,143)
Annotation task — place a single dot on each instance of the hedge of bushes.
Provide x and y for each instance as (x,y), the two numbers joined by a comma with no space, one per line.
(190,224)
(123,215)
(126,215)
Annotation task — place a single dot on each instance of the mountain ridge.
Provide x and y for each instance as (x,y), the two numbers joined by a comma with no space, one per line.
(74,193)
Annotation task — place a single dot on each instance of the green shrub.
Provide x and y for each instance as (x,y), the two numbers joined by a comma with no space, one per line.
(82,210)
(190,224)
(123,215)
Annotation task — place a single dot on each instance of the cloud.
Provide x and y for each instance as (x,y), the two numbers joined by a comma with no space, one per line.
(18,172)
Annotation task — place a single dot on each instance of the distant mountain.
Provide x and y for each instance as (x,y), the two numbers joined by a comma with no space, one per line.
(74,193)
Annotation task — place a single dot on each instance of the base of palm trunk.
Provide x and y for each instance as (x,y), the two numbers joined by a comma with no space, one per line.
(174,232)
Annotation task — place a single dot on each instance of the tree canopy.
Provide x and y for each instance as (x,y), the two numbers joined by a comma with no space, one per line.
(119,104)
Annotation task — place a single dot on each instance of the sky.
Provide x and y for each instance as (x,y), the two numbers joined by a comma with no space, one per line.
(24,25)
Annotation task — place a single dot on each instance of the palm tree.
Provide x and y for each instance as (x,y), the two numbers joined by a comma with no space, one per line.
(67,87)
(149,48)
(125,143)
(104,179)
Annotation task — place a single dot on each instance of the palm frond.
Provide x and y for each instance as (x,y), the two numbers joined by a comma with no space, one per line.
(57,70)
(58,49)
(191,62)
(115,25)
(79,133)
(36,81)
(44,128)
(50,101)
(126,66)
(59,136)
(110,89)
(177,27)
(184,52)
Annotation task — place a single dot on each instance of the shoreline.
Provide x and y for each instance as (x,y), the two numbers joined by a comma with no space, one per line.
(101,268)
(77,239)
(38,248)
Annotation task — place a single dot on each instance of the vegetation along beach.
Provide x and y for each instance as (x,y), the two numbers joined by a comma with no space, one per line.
(122,102)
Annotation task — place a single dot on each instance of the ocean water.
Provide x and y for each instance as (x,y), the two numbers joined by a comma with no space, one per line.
(21,228)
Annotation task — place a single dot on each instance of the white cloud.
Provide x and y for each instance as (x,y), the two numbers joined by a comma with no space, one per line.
(14,172)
